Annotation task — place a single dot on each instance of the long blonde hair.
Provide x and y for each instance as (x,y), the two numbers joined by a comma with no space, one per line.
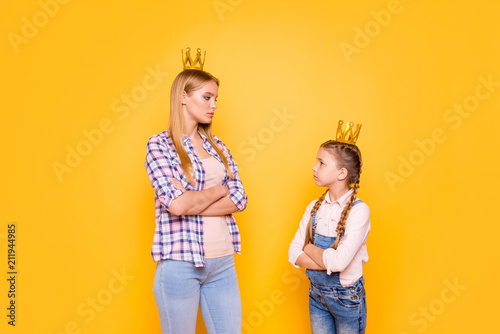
(347,156)
(189,81)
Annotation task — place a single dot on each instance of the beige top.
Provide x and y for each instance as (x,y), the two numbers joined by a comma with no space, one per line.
(216,238)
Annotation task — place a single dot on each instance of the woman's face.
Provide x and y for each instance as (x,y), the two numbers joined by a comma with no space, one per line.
(199,105)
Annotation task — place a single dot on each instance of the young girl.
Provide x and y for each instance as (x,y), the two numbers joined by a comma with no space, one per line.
(197,188)
(331,243)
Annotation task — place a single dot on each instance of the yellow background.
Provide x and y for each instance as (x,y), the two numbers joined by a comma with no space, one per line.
(433,226)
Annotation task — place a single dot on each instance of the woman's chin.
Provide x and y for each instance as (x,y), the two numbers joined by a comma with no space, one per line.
(205,121)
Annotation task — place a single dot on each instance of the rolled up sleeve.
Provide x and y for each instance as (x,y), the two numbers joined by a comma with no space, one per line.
(160,168)
(236,191)
(355,236)
(297,244)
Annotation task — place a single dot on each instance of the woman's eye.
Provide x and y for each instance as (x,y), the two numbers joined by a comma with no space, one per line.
(207,98)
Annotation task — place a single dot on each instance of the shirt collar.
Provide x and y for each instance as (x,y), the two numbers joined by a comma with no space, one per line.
(342,200)
(186,139)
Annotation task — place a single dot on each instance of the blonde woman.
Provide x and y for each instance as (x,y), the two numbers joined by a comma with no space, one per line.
(197,188)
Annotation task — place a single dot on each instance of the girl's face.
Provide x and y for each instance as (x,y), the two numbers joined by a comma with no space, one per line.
(326,171)
(199,105)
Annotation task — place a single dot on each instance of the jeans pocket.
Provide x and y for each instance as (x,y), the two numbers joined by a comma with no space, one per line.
(326,291)
(349,298)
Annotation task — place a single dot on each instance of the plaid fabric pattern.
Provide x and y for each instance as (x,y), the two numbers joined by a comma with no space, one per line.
(181,237)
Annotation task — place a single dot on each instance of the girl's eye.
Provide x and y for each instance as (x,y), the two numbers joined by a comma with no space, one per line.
(207,98)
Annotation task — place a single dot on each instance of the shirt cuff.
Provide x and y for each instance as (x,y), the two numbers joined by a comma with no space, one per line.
(325,259)
(294,258)
(238,200)
(166,200)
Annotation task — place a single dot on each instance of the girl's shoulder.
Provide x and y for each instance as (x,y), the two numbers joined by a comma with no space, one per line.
(360,203)
(359,208)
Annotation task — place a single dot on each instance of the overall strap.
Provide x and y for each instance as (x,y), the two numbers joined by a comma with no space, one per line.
(314,225)
(356,202)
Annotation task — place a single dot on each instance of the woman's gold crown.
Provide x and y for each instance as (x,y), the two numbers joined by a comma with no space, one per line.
(348,136)
(189,63)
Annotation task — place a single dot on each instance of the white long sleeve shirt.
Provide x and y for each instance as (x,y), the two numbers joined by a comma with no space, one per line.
(351,254)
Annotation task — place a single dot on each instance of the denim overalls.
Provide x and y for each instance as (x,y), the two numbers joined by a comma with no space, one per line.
(334,308)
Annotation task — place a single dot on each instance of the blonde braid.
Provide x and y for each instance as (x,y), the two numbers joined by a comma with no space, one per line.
(309,230)
(347,156)
(344,215)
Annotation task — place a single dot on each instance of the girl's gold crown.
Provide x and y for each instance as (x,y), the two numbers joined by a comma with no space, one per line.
(190,64)
(348,136)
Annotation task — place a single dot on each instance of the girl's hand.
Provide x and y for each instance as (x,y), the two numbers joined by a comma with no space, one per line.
(177,184)
(342,240)
(315,253)
(308,247)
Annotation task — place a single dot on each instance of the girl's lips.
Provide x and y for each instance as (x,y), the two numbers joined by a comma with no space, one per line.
(211,114)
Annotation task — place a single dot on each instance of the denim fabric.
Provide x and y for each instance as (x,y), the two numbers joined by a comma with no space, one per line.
(179,288)
(334,308)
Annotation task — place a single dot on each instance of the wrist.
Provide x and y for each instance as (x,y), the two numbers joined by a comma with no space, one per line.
(224,190)
(218,191)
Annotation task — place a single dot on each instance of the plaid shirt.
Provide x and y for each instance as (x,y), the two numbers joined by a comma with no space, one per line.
(181,237)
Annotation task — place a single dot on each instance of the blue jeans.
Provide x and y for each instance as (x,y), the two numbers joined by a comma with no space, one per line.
(340,310)
(179,288)
(333,308)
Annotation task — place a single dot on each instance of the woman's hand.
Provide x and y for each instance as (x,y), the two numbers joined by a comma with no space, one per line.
(177,184)
(227,190)
(197,202)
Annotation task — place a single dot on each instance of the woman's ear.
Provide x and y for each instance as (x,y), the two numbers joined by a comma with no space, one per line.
(184,97)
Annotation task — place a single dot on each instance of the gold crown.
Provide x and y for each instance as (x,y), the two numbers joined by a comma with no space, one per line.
(190,64)
(348,136)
